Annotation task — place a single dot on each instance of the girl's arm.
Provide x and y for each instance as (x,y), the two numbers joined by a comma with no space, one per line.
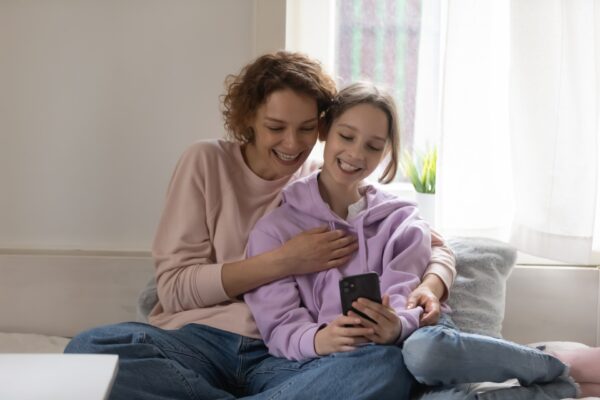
(405,258)
(285,325)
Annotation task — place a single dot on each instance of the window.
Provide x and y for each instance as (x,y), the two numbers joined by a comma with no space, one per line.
(393,43)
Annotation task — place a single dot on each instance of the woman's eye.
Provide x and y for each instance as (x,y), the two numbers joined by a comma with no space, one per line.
(346,138)
(308,128)
(373,148)
(275,128)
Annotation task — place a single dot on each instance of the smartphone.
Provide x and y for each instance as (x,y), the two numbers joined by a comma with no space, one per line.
(355,286)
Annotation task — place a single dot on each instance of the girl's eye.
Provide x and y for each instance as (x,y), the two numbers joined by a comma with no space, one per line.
(308,128)
(346,138)
(373,148)
(275,128)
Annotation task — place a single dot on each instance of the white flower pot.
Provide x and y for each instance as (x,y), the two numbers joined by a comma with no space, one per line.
(426,203)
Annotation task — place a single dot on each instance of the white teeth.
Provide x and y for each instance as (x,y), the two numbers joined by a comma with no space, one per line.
(286,157)
(347,167)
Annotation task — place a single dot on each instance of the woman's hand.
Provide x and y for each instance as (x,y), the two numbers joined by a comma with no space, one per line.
(423,296)
(342,334)
(317,250)
(388,326)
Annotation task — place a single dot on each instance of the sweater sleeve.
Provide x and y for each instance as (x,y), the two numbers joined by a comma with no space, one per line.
(405,258)
(442,262)
(285,325)
(187,276)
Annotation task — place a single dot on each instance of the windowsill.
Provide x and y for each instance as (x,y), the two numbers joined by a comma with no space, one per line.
(403,190)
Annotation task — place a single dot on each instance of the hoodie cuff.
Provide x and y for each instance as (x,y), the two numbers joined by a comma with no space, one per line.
(407,327)
(306,346)
(209,285)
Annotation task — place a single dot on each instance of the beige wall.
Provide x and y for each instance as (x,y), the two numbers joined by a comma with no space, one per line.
(97,101)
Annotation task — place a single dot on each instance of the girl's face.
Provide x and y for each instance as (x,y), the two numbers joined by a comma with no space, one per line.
(285,131)
(356,144)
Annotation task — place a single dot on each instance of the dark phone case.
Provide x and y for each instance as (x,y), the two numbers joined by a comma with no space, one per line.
(353,287)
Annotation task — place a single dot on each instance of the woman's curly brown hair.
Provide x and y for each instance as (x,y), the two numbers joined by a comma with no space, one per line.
(249,89)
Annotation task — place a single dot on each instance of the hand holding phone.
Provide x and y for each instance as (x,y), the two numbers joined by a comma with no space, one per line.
(355,286)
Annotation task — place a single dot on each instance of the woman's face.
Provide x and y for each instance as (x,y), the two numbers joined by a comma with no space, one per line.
(355,145)
(285,131)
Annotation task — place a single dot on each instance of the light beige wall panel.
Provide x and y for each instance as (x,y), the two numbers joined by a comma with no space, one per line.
(552,303)
(97,101)
(65,294)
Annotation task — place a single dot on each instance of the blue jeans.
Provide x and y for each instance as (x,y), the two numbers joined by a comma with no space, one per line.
(443,357)
(201,362)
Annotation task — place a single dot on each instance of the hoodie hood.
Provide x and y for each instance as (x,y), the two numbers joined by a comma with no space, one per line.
(304,197)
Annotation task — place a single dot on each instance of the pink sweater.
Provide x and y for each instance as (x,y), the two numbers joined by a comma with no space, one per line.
(213,201)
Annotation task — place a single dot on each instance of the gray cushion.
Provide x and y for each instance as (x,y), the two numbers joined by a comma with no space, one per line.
(147,299)
(478,295)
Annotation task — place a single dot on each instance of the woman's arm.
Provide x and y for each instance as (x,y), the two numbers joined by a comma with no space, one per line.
(311,251)
(437,279)
(188,275)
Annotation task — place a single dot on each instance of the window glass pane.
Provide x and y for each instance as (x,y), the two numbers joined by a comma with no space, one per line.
(378,41)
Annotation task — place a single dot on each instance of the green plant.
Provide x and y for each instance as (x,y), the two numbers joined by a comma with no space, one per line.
(420,169)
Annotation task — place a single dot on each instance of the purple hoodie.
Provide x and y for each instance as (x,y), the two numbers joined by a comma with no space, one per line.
(393,242)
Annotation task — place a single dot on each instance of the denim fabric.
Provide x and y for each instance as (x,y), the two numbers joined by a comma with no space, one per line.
(369,372)
(194,362)
(442,356)
(201,362)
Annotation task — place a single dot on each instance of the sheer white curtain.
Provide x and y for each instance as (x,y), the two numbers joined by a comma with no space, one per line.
(554,99)
(537,176)
(474,186)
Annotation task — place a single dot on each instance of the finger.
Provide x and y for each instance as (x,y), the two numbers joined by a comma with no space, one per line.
(319,229)
(385,301)
(343,252)
(344,349)
(369,312)
(413,299)
(353,332)
(354,341)
(375,310)
(331,236)
(363,321)
(344,242)
(430,318)
(432,304)
(345,320)
(337,262)
(374,338)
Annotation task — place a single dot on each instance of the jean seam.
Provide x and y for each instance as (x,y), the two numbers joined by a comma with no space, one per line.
(186,384)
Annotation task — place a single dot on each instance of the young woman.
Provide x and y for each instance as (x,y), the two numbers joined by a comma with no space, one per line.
(202,342)
(300,316)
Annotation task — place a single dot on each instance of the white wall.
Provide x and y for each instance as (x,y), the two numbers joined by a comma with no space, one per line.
(97,101)
(553,303)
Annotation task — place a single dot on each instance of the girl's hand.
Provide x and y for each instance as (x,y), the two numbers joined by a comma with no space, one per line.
(424,297)
(388,328)
(342,334)
(317,250)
